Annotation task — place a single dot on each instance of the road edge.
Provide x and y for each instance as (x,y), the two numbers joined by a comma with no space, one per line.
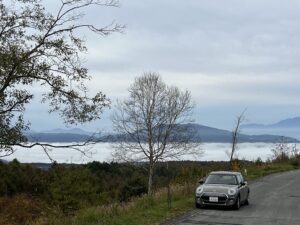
(193,210)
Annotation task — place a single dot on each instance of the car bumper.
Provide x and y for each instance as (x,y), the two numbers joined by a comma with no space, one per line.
(223,199)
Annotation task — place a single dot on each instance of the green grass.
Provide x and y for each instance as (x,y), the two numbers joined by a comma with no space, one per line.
(150,211)
(255,172)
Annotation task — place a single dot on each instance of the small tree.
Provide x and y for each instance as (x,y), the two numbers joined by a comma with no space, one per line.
(235,134)
(151,124)
(281,150)
(42,49)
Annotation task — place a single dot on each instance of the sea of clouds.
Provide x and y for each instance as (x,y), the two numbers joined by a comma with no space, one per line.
(102,152)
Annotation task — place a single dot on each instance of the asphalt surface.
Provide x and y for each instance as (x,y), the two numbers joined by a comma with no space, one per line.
(274,200)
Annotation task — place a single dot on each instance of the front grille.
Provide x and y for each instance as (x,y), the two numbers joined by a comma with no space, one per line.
(222,198)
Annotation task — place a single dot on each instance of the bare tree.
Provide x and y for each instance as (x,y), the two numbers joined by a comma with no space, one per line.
(235,134)
(151,124)
(38,48)
(282,150)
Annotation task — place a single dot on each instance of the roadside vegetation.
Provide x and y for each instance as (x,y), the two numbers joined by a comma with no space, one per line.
(110,193)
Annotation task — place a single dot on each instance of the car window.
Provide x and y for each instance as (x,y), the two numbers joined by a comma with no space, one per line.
(242,178)
(239,179)
(221,179)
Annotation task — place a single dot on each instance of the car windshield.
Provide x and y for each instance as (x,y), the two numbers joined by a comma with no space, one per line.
(221,179)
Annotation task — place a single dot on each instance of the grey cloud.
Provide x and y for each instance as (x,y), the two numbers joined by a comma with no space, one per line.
(205,36)
(216,38)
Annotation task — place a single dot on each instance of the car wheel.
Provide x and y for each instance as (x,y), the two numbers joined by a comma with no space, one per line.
(199,206)
(238,203)
(247,199)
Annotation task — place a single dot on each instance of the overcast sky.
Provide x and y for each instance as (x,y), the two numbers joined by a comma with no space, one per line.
(231,54)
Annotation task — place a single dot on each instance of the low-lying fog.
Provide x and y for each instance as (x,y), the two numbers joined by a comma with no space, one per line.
(102,152)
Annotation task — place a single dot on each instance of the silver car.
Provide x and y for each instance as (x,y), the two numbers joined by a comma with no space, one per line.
(222,188)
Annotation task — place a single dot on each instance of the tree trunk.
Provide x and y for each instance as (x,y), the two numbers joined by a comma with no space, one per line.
(150,181)
(169,194)
(232,152)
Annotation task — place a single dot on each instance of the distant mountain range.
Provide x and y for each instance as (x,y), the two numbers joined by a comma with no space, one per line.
(209,134)
(288,127)
(287,123)
(56,137)
(60,135)
(200,133)
(69,131)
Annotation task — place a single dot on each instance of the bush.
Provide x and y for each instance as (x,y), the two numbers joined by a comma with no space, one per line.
(295,163)
(134,187)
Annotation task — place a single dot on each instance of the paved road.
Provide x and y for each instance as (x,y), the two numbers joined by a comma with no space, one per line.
(274,200)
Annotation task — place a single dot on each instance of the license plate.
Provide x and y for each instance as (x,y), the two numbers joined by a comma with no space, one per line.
(213,199)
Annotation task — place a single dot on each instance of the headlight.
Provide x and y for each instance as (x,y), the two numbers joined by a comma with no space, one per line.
(231,191)
(199,190)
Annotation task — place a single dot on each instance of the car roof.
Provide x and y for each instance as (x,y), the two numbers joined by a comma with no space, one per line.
(226,172)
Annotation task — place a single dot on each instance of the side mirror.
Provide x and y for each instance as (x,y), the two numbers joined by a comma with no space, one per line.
(201,181)
(244,183)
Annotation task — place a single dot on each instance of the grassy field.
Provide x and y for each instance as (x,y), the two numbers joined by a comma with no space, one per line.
(264,170)
(145,210)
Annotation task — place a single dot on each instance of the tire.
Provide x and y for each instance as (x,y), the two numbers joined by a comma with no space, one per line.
(247,199)
(199,206)
(238,203)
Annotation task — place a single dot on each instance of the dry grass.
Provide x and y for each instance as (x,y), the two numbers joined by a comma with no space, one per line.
(142,210)
(21,209)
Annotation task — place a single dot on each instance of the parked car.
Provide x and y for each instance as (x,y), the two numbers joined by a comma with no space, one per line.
(222,188)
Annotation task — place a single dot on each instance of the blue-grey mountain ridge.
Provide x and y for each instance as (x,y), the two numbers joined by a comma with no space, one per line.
(199,133)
